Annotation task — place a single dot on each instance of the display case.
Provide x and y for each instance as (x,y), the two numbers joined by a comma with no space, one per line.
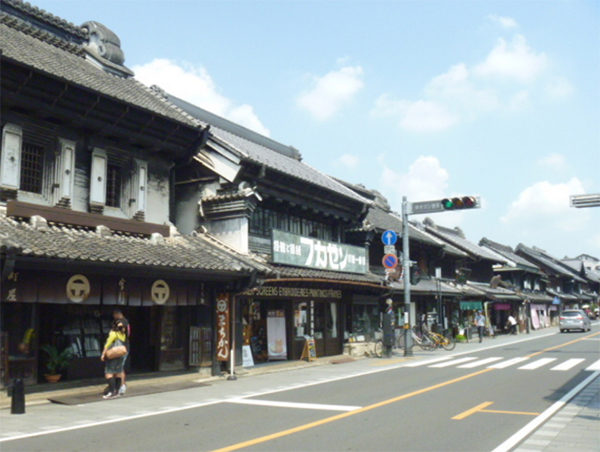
(85,336)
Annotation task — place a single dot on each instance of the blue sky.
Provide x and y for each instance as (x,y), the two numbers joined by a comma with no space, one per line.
(424,99)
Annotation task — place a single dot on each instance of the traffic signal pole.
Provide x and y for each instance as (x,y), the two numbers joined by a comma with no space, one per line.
(408,342)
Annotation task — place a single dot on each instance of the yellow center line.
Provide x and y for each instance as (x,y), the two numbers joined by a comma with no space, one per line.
(474,410)
(337,417)
(310,425)
(562,345)
(509,412)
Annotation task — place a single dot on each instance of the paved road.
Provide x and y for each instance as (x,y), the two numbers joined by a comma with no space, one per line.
(473,399)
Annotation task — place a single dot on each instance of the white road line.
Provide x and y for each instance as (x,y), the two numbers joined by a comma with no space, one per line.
(594,366)
(454,362)
(481,362)
(426,362)
(525,431)
(537,364)
(304,406)
(568,364)
(508,363)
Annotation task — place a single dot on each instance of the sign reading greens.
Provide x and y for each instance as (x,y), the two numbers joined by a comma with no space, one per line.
(310,252)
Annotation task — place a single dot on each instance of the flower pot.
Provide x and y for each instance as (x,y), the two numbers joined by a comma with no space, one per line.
(52,378)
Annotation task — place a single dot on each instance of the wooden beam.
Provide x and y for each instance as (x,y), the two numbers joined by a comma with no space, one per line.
(91,220)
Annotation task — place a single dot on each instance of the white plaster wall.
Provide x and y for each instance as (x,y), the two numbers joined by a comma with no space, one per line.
(234,232)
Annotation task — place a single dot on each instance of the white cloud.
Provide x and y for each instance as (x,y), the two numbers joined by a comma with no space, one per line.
(349,161)
(506,22)
(417,116)
(544,206)
(331,92)
(514,60)
(425,179)
(195,85)
(558,88)
(553,162)
(465,93)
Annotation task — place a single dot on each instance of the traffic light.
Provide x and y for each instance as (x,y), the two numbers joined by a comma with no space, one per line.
(415,275)
(459,203)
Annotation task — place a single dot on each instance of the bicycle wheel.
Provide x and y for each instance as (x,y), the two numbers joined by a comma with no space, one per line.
(448,343)
(378,349)
(428,342)
(400,341)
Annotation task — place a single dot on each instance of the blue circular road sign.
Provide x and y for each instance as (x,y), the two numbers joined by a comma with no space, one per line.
(390,261)
(389,237)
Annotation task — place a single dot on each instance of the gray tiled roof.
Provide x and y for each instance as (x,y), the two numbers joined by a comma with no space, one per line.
(301,272)
(383,221)
(464,244)
(545,260)
(65,65)
(46,17)
(250,146)
(77,245)
(508,252)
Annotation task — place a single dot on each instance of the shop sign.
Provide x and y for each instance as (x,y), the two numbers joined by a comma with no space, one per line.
(298,292)
(292,249)
(160,291)
(78,288)
(222,327)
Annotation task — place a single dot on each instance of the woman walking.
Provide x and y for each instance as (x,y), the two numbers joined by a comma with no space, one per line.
(113,368)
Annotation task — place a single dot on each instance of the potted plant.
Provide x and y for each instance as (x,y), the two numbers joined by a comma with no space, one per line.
(56,362)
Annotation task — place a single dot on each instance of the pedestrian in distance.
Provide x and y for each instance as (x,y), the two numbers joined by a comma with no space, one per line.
(118,315)
(480,324)
(512,324)
(113,368)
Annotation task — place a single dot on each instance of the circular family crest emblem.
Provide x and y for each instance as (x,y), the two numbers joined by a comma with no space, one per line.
(78,288)
(160,291)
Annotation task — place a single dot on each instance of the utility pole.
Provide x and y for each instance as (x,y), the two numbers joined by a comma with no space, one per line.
(408,351)
(439,205)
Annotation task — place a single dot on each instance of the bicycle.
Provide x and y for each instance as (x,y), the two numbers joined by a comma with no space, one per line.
(424,341)
(445,340)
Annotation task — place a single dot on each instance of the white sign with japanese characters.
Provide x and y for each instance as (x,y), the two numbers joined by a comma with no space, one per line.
(319,254)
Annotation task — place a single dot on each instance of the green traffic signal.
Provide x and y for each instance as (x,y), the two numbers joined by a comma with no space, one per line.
(464,202)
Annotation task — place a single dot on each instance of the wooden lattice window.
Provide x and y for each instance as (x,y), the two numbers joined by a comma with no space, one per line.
(113,186)
(32,168)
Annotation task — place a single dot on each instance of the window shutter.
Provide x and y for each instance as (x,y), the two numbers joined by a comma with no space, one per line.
(140,189)
(64,173)
(10,166)
(98,180)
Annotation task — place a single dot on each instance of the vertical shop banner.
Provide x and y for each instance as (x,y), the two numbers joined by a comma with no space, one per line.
(222,327)
(276,337)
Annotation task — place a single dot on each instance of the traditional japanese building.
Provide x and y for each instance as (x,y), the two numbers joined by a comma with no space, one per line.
(87,169)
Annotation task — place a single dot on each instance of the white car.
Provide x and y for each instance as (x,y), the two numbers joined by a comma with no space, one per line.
(574,319)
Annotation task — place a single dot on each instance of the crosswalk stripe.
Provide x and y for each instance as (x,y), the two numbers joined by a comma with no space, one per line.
(594,366)
(429,361)
(569,364)
(537,364)
(453,362)
(508,363)
(479,363)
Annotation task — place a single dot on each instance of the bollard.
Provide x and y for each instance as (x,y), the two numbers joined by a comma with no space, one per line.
(17,405)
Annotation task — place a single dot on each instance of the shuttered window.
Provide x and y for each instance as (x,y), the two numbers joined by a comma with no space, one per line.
(113,186)
(32,168)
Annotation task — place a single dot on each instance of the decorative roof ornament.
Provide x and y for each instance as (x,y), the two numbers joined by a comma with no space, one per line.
(104,48)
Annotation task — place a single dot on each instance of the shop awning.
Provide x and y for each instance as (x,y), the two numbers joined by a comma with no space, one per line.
(470,305)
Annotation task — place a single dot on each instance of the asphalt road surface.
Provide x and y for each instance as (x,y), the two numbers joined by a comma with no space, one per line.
(471,399)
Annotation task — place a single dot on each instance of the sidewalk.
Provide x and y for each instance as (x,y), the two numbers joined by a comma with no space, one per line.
(575,427)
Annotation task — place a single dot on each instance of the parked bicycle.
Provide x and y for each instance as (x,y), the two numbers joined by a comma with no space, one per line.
(423,340)
(445,339)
